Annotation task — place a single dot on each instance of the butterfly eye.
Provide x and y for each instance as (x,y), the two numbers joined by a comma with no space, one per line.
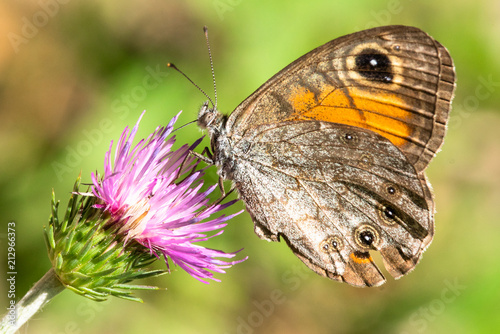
(332,244)
(367,236)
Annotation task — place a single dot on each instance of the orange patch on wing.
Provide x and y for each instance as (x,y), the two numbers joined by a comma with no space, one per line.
(303,100)
(361,260)
(380,113)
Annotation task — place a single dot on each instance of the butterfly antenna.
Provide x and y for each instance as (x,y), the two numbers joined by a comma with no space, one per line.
(182,126)
(192,82)
(205,30)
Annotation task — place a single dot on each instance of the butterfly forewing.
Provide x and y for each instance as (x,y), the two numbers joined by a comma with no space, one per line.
(395,80)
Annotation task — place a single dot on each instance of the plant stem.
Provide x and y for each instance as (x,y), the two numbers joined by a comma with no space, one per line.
(39,295)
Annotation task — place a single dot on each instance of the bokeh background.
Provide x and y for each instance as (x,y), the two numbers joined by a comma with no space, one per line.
(74,73)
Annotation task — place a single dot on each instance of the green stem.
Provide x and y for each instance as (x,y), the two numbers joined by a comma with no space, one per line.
(39,295)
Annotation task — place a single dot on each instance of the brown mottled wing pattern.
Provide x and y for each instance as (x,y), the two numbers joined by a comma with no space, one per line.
(335,192)
(330,153)
(396,81)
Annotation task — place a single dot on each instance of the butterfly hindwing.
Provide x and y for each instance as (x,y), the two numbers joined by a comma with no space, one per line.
(335,185)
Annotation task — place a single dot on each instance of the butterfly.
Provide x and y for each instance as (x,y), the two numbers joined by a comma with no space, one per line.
(329,154)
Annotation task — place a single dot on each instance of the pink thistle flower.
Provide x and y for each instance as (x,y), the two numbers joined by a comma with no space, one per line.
(143,192)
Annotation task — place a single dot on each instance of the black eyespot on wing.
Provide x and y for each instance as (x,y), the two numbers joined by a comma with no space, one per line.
(391,190)
(389,212)
(349,138)
(367,238)
(332,244)
(374,65)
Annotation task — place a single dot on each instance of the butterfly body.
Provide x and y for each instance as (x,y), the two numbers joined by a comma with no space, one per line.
(329,154)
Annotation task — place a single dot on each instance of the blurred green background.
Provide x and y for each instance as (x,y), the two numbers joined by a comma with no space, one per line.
(73,81)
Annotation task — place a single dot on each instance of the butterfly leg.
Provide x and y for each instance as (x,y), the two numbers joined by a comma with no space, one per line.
(209,159)
(205,156)
(182,165)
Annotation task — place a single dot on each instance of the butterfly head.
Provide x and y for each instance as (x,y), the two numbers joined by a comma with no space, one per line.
(211,119)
